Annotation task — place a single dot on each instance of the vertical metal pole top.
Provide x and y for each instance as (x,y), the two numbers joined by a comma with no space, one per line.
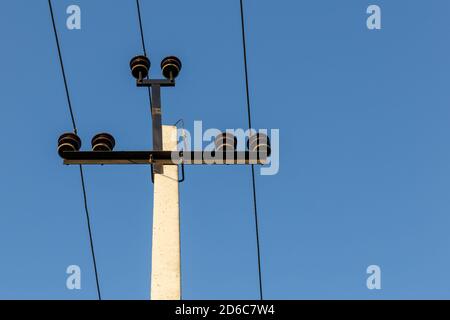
(157,124)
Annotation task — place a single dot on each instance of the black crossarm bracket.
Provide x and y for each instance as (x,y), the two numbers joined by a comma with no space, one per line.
(163,157)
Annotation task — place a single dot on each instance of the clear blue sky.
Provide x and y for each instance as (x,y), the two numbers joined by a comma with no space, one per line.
(364,118)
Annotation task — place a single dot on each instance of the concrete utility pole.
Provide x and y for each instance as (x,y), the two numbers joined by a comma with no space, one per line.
(166,278)
(165,160)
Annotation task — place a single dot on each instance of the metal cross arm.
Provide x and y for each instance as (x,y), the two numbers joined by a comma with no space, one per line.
(102,153)
(163,157)
(154,83)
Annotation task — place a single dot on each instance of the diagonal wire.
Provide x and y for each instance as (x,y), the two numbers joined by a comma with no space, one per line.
(140,26)
(141,29)
(62,68)
(75,131)
(244,46)
(91,241)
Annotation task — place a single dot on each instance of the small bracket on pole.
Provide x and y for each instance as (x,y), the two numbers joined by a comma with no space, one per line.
(152,161)
(182,174)
(179,180)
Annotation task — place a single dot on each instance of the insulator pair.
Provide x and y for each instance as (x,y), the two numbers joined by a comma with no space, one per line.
(72,142)
(140,66)
(257,142)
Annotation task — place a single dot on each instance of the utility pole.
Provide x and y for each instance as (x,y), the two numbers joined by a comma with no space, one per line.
(166,273)
(164,160)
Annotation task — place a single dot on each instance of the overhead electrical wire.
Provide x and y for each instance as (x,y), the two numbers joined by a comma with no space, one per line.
(140,27)
(143,42)
(83,185)
(255,208)
(62,68)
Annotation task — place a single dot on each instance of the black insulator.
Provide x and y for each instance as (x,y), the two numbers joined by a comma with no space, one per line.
(103,142)
(68,142)
(140,67)
(170,67)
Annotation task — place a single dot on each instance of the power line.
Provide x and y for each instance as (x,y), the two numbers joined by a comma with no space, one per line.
(143,41)
(75,131)
(90,232)
(244,46)
(140,26)
(62,68)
